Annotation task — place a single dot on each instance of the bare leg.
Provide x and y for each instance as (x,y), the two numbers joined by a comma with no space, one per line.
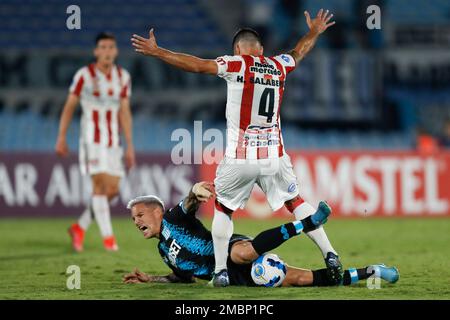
(297,277)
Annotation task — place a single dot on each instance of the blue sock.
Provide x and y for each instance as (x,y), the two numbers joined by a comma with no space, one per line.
(353,275)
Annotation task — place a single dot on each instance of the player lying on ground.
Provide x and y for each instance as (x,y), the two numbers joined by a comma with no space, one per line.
(186,246)
(255,151)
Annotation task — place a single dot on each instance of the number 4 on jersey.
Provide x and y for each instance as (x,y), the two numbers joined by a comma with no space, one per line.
(266,107)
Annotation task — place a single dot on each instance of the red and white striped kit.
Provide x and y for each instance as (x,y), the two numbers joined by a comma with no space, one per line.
(100,96)
(255,92)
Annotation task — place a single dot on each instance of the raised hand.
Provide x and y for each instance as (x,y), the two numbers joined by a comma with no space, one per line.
(145,46)
(203,191)
(320,23)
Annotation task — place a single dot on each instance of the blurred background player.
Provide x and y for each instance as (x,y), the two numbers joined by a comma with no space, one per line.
(103,89)
(255,153)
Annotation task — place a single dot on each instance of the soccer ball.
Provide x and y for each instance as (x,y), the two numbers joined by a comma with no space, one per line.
(268,270)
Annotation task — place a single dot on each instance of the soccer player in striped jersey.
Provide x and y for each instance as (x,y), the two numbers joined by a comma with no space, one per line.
(103,90)
(186,246)
(255,151)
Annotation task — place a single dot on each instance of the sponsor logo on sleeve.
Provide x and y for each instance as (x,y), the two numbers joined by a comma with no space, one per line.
(292,187)
(285,58)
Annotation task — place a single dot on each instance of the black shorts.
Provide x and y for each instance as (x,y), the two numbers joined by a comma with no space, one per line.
(240,274)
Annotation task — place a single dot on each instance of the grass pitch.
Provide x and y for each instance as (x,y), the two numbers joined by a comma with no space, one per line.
(35,253)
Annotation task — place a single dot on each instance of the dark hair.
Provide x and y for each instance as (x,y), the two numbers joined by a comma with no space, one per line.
(104,35)
(246,34)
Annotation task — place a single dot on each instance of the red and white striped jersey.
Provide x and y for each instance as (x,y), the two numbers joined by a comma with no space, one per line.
(100,96)
(254,95)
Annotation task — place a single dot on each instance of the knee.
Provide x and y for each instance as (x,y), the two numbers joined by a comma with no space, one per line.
(112,191)
(243,255)
(293,203)
(99,188)
(240,257)
(222,208)
(243,252)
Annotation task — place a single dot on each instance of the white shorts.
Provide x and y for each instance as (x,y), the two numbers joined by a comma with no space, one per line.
(235,179)
(96,159)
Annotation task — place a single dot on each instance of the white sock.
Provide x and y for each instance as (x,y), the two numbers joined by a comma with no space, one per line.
(85,219)
(318,236)
(222,229)
(100,206)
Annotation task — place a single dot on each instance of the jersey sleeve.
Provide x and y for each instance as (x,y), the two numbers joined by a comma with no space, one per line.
(178,214)
(77,83)
(126,88)
(227,65)
(287,61)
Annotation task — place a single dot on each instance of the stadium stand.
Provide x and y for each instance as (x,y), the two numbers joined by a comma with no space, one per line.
(328,113)
(181,24)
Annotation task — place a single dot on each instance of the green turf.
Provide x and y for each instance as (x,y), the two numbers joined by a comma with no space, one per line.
(34,255)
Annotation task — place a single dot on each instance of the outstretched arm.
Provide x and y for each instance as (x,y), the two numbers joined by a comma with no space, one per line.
(138,276)
(316,27)
(149,47)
